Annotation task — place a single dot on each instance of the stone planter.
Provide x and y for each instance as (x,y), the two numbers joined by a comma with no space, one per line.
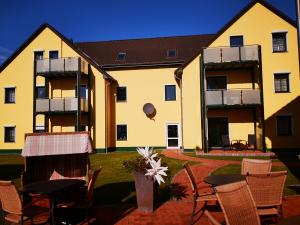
(144,187)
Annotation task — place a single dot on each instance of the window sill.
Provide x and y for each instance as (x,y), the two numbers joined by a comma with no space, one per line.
(122,140)
(9,102)
(280,52)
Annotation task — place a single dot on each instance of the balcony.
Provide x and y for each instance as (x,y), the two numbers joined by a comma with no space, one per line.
(231,54)
(233,97)
(61,65)
(57,105)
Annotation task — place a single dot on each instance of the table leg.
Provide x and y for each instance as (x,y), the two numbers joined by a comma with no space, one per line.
(52,208)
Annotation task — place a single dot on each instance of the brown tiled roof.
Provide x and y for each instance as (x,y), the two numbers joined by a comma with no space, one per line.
(145,52)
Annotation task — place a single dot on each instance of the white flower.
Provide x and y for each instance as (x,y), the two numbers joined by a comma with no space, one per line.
(147,153)
(157,171)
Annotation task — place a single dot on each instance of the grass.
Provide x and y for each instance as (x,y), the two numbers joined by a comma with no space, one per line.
(114,184)
(292,178)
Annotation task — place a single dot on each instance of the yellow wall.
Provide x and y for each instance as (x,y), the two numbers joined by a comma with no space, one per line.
(19,73)
(257,32)
(146,86)
(191,105)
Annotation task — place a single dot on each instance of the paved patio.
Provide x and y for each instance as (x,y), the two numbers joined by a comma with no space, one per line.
(177,212)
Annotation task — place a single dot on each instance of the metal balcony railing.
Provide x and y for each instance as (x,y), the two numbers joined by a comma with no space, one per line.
(233,97)
(60,65)
(231,54)
(60,105)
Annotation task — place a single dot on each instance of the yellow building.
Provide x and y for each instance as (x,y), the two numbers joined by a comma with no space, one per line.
(200,91)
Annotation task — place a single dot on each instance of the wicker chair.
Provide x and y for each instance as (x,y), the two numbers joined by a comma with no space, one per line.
(205,197)
(256,166)
(83,201)
(267,191)
(12,205)
(237,205)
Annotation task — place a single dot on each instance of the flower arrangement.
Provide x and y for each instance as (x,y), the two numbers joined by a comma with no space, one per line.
(148,162)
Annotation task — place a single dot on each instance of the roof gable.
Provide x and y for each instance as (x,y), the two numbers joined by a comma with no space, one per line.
(236,18)
(67,41)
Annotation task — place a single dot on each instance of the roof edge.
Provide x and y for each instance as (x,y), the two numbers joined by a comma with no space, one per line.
(235,18)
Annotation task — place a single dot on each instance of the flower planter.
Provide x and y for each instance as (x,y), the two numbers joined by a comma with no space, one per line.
(144,187)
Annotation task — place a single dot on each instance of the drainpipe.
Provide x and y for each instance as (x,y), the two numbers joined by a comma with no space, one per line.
(106,115)
(178,76)
(297,4)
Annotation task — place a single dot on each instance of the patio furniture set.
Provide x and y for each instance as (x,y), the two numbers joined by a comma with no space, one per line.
(239,144)
(248,198)
(57,176)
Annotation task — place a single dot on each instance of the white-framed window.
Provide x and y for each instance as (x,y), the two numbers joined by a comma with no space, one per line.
(173,135)
(53,54)
(284,125)
(236,41)
(282,82)
(279,41)
(122,132)
(121,94)
(9,134)
(9,95)
(170,92)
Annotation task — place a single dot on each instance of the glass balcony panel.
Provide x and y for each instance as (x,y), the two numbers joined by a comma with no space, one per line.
(42,105)
(212,55)
(214,97)
(57,105)
(232,97)
(250,97)
(71,104)
(71,64)
(56,65)
(230,54)
(249,53)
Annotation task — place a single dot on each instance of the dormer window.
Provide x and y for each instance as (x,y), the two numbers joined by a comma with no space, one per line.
(121,56)
(171,53)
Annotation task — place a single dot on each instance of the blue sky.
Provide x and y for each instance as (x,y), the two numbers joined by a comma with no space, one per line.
(115,20)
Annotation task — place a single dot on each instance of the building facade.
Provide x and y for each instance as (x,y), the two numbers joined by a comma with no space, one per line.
(200,91)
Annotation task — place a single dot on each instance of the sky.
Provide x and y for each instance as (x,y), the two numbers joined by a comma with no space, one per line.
(100,20)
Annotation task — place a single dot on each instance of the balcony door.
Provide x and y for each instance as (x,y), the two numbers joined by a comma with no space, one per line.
(173,136)
(217,127)
(216,83)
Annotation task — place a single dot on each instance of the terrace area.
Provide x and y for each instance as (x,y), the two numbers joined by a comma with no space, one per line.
(115,200)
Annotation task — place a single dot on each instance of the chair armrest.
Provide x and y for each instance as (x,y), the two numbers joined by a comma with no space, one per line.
(211,218)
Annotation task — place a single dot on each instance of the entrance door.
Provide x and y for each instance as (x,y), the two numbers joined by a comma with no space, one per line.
(216,128)
(173,136)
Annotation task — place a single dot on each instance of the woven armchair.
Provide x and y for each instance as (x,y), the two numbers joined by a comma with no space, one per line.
(84,201)
(237,205)
(205,197)
(267,191)
(255,166)
(12,207)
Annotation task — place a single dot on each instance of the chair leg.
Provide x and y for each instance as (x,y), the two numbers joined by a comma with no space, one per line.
(194,209)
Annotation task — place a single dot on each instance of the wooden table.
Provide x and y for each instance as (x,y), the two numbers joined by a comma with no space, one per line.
(239,144)
(51,188)
(293,220)
(217,180)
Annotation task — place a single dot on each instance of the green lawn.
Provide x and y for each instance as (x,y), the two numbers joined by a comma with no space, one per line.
(293,175)
(114,184)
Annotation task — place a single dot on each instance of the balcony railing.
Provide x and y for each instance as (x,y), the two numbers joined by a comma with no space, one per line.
(60,65)
(60,105)
(233,97)
(231,54)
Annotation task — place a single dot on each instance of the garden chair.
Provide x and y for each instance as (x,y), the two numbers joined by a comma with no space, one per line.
(205,197)
(84,201)
(237,205)
(256,166)
(12,207)
(226,141)
(267,191)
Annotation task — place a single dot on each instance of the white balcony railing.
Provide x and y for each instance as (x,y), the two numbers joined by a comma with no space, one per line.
(233,97)
(60,105)
(231,54)
(61,65)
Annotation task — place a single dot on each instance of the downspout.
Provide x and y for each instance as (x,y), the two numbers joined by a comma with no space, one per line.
(106,115)
(178,76)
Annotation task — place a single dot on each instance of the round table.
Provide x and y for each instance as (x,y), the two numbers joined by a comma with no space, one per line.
(217,180)
(52,188)
(293,220)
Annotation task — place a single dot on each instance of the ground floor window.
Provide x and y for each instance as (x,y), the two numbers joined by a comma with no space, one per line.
(122,132)
(284,125)
(173,136)
(9,134)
